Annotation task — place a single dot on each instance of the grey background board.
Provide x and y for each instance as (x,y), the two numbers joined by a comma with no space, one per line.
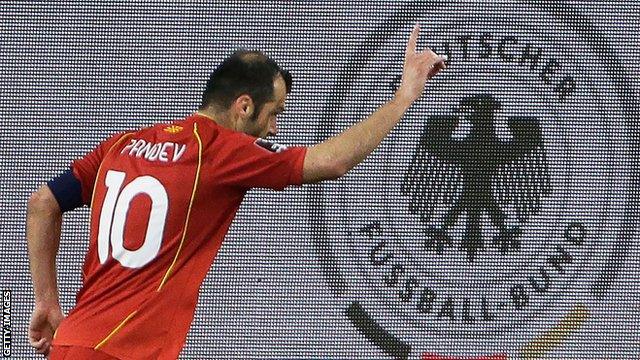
(297,276)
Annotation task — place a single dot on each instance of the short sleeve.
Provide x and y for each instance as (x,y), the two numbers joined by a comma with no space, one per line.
(86,168)
(249,162)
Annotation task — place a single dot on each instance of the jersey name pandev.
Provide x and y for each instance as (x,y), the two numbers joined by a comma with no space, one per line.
(164,151)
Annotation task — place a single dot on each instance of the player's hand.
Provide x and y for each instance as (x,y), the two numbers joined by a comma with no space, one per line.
(419,66)
(44,322)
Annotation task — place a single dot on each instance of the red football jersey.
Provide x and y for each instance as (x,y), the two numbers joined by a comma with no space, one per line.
(162,199)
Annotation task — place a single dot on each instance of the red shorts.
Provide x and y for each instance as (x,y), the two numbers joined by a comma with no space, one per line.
(62,352)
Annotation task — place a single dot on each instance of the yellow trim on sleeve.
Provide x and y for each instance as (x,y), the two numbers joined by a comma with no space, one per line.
(193,195)
(114,331)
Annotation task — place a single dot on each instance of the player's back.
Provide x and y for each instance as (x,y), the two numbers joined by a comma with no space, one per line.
(154,234)
(162,201)
(140,204)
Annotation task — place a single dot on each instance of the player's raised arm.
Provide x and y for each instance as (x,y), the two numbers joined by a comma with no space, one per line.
(335,156)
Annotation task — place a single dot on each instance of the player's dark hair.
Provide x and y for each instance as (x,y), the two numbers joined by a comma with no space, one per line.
(244,72)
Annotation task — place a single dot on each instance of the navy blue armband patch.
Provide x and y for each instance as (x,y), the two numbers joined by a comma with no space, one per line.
(67,190)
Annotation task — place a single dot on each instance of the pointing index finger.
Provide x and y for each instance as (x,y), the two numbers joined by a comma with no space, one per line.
(413,39)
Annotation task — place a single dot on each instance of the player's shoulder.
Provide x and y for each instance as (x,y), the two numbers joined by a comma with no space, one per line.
(171,129)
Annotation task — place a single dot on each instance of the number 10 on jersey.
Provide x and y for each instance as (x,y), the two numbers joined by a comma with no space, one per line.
(113,217)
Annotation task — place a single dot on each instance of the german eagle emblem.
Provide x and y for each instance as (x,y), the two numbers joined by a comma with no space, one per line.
(478,181)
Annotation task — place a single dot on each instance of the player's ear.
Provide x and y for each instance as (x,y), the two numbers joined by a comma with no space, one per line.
(244,106)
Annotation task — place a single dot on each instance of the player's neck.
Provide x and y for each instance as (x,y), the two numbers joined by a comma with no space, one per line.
(221,119)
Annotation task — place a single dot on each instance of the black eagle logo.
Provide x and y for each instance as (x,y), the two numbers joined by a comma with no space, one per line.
(479,174)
